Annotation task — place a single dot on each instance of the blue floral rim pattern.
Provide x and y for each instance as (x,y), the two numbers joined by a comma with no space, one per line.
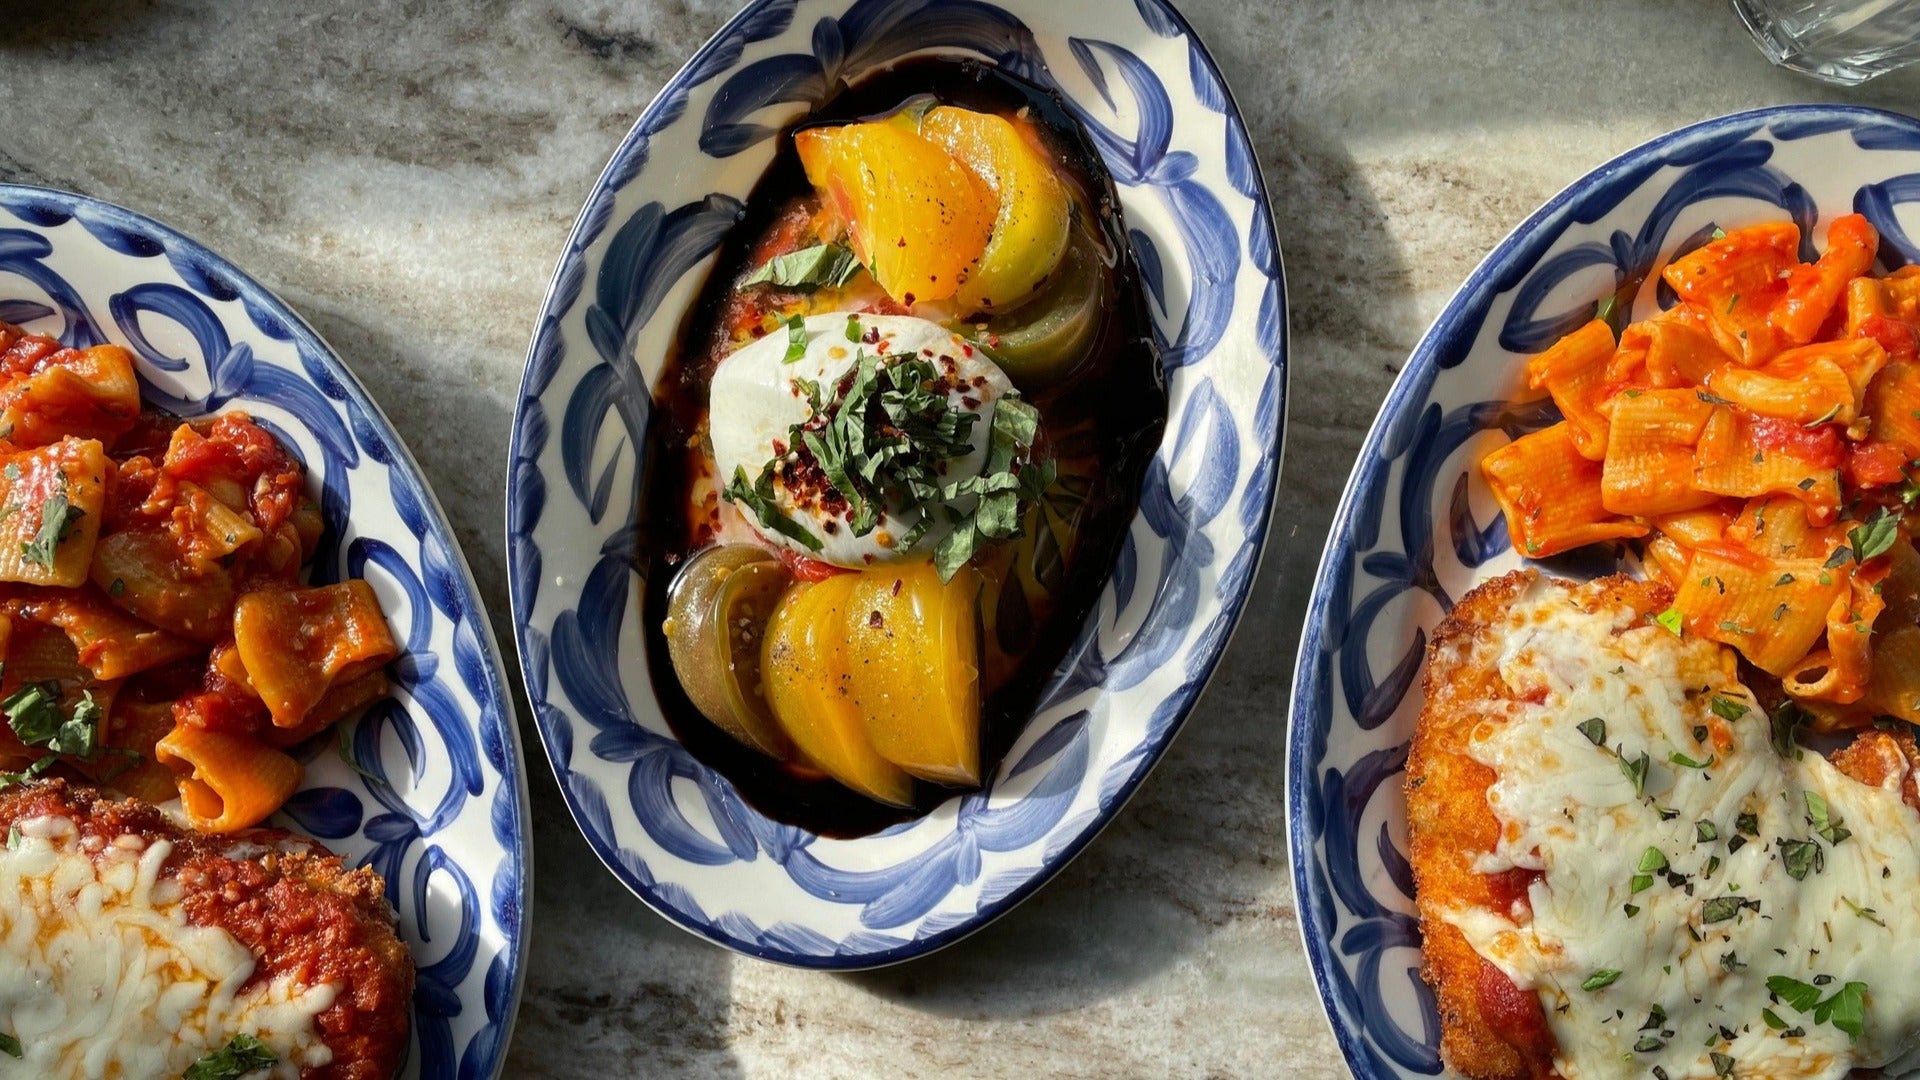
(681,838)
(1415,527)
(426,787)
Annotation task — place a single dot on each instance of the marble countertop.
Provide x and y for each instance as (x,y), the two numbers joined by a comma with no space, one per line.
(404,174)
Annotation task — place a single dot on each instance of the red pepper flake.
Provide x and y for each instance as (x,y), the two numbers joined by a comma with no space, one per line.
(874,619)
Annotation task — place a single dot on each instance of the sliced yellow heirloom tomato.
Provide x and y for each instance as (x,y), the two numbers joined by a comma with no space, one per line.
(916,217)
(1034,213)
(804,666)
(913,662)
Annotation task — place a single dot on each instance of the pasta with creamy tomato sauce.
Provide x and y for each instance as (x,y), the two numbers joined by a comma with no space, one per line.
(1757,441)
(155,632)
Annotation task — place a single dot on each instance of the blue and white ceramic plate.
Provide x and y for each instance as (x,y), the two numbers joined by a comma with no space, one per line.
(672,829)
(1417,527)
(434,797)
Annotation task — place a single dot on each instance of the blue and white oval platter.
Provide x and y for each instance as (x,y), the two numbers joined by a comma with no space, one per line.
(674,831)
(429,789)
(1417,527)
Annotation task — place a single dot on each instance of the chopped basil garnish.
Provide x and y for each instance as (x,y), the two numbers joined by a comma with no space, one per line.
(758,497)
(242,1054)
(1595,729)
(34,714)
(1721,908)
(1786,720)
(1823,822)
(884,438)
(796,339)
(57,518)
(1876,536)
(9,1045)
(1009,476)
(1705,832)
(1670,619)
(1846,1009)
(828,265)
(1686,762)
(1727,708)
(1601,978)
(1801,857)
(1636,772)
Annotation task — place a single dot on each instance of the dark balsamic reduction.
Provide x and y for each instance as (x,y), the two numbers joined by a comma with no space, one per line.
(1112,411)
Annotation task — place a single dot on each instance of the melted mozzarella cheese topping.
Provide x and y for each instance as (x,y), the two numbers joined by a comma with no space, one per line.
(1695,945)
(102,976)
(757,397)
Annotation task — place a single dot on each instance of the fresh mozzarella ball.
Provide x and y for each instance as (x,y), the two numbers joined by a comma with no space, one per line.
(757,398)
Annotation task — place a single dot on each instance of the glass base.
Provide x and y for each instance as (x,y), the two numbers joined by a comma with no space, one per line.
(1843,42)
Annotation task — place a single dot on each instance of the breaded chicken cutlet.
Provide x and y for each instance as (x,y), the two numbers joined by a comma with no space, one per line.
(132,948)
(1623,870)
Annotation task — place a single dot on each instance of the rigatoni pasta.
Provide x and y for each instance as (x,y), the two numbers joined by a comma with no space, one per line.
(145,563)
(1761,437)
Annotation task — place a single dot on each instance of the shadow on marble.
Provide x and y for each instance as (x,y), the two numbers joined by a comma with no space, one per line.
(612,989)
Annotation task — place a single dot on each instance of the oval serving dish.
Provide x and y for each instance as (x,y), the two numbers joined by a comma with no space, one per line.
(672,829)
(427,786)
(1417,526)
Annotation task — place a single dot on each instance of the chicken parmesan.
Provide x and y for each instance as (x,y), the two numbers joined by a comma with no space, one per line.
(133,949)
(1626,867)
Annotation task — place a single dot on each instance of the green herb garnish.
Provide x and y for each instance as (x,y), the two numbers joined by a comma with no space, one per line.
(1670,619)
(1846,1009)
(242,1054)
(57,518)
(1823,820)
(1600,979)
(796,339)
(758,497)
(1801,857)
(1786,720)
(1876,536)
(828,265)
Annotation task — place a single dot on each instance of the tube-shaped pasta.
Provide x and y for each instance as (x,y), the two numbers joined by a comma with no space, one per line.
(1680,350)
(1746,455)
(1893,401)
(296,642)
(1649,466)
(1818,392)
(1772,610)
(55,493)
(1866,299)
(1812,289)
(227,781)
(1574,371)
(1550,494)
(1894,689)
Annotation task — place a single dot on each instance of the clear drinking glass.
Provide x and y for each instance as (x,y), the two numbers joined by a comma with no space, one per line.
(1840,41)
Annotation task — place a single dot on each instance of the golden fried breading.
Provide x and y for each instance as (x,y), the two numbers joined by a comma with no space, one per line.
(1490,1030)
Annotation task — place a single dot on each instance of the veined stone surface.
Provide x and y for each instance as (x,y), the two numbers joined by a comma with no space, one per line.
(405,173)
